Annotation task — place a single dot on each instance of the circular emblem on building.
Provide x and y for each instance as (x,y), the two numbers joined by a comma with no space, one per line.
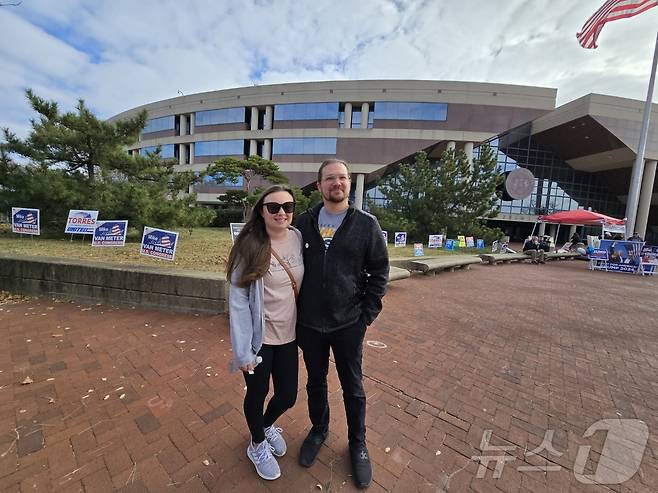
(519,183)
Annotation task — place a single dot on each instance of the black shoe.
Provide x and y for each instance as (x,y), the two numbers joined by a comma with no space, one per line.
(311,447)
(361,467)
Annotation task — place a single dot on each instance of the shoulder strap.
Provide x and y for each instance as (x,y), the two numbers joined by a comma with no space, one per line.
(287,269)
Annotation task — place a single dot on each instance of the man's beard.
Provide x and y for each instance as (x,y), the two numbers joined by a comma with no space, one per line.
(331,198)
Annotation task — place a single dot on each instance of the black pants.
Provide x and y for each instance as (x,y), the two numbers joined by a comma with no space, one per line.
(347,346)
(281,362)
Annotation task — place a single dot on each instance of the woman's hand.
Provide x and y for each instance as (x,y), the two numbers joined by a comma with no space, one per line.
(248,368)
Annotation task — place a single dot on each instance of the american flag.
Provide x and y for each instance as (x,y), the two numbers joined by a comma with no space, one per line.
(165,242)
(116,229)
(611,10)
(30,218)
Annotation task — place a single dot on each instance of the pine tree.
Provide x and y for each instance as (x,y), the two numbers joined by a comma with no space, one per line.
(450,196)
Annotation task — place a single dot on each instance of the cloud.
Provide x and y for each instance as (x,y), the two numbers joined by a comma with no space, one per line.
(121,54)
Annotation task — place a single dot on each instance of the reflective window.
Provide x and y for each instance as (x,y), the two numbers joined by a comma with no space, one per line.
(166,150)
(217,117)
(214,180)
(306,111)
(311,145)
(219,148)
(558,187)
(159,124)
(389,110)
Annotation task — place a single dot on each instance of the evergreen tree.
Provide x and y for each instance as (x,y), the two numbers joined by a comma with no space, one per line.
(450,196)
(232,169)
(76,161)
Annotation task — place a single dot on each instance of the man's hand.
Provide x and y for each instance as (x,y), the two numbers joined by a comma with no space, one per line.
(248,368)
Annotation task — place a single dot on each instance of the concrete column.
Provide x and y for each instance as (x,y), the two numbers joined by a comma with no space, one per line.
(365,107)
(542,229)
(182,122)
(269,112)
(552,230)
(267,149)
(572,230)
(468,150)
(192,122)
(645,198)
(181,153)
(358,192)
(253,147)
(450,146)
(254,118)
(191,152)
(348,115)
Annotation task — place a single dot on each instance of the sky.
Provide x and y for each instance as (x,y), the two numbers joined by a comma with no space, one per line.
(120,54)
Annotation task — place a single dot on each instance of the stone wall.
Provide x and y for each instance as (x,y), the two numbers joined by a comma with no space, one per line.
(142,286)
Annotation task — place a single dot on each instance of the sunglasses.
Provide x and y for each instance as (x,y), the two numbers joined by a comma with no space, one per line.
(275,207)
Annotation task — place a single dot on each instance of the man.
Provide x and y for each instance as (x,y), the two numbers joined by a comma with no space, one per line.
(345,276)
(533,248)
(636,237)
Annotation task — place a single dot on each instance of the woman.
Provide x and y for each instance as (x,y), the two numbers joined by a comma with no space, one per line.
(265,269)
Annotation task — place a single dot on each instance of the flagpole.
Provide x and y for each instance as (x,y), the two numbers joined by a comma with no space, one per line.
(638,165)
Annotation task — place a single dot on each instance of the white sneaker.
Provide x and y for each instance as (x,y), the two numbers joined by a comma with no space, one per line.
(274,438)
(261,455)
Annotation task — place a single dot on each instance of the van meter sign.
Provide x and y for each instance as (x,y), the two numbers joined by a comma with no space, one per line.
(519,183)
(110,233)
(81,222)
(25,221)
(159,243)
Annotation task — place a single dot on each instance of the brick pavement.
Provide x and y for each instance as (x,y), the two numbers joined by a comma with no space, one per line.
(135,400)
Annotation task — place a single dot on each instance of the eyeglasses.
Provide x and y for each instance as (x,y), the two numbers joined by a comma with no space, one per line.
(275,207)
(340,178)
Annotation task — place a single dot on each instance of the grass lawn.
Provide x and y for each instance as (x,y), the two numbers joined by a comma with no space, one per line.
(205,250)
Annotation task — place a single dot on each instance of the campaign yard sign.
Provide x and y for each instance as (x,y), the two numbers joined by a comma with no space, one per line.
(462,241)
(649,258)
(159,243)
(81,222)
(110,233)
(400,239)
(480,244)
(385,234)
(470,242)
(25,221)
(451,244)
(623,256)
(418,250)
(235,230)
(435,241)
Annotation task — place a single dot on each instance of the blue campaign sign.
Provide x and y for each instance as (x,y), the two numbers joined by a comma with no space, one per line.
(159,243)
(110,233)
(480,244)
(81,222)
(451,244)
(25,221)
(623,256)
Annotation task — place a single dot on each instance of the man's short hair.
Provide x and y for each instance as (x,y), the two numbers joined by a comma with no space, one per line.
(327,162)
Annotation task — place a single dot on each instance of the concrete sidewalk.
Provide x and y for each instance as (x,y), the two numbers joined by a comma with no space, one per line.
(135,400)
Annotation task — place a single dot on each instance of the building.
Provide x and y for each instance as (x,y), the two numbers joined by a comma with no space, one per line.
(580,153)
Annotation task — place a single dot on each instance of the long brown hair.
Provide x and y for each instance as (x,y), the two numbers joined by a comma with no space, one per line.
(252,247)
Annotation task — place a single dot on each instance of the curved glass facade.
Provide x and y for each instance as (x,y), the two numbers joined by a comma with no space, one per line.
(160,124)
(391,110)
(308,145)
(558,187)
(306,111)
(166,150)
(219,148)
(218,117)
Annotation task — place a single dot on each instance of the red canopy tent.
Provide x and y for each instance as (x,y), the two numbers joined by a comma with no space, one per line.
(579,216)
